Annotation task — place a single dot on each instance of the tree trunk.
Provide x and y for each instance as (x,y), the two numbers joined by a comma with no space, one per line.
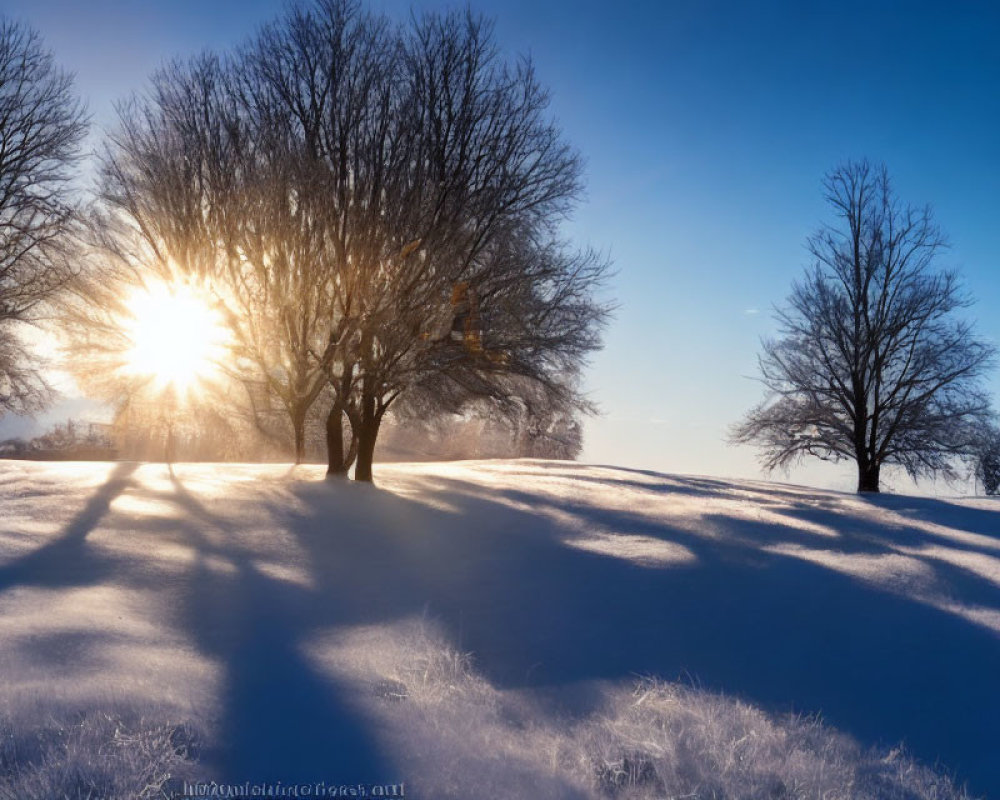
(299,427)
(169,446)
(335,441)
(370,421)
(868,478)
(339,461)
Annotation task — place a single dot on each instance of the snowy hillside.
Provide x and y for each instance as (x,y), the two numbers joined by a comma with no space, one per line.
(296,619)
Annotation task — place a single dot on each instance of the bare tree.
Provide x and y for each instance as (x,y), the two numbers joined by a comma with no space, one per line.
(41,128)
(357,193)
(872,364)
(205,179)
(472,209)
(322,88)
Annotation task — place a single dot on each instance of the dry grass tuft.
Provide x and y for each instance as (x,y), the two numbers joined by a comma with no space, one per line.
(460,735)
(666,740)
(651,740)
(94,754)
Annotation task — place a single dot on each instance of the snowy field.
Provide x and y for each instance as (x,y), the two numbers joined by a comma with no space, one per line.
(463,627)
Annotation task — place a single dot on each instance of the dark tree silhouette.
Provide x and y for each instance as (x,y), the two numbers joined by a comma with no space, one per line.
(41,127)
(987,464)
(872,364)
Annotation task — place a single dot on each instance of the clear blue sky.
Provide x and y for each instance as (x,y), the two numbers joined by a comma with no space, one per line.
(707,127)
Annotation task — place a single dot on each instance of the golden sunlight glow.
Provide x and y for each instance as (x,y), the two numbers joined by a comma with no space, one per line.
(177,338)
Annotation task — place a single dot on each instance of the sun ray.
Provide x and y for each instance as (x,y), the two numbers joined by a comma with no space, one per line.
(177,338)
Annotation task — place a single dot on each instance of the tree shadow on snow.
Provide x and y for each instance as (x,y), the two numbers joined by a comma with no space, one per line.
(502,572)
(281,719)
(67,560)
(778,630)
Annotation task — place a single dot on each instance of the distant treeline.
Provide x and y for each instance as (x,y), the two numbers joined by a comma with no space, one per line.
(69,441)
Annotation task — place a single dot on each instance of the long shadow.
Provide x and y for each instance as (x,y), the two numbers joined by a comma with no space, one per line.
(970,519)
(784,633)
(857,533)
(66,560)
(538,613)
(281,720)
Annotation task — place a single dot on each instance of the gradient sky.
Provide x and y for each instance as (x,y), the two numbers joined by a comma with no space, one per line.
(706,128)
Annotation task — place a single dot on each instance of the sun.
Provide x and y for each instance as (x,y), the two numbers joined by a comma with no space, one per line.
(176,338)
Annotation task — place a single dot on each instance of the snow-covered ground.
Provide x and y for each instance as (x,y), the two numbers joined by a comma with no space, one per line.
(286,613)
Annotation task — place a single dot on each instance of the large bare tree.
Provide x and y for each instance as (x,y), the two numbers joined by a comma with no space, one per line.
(872,363)
(41,128)
(457,233)
(358,192)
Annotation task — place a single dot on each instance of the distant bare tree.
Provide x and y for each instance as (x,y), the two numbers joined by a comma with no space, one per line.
(871,363)
(41,128)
